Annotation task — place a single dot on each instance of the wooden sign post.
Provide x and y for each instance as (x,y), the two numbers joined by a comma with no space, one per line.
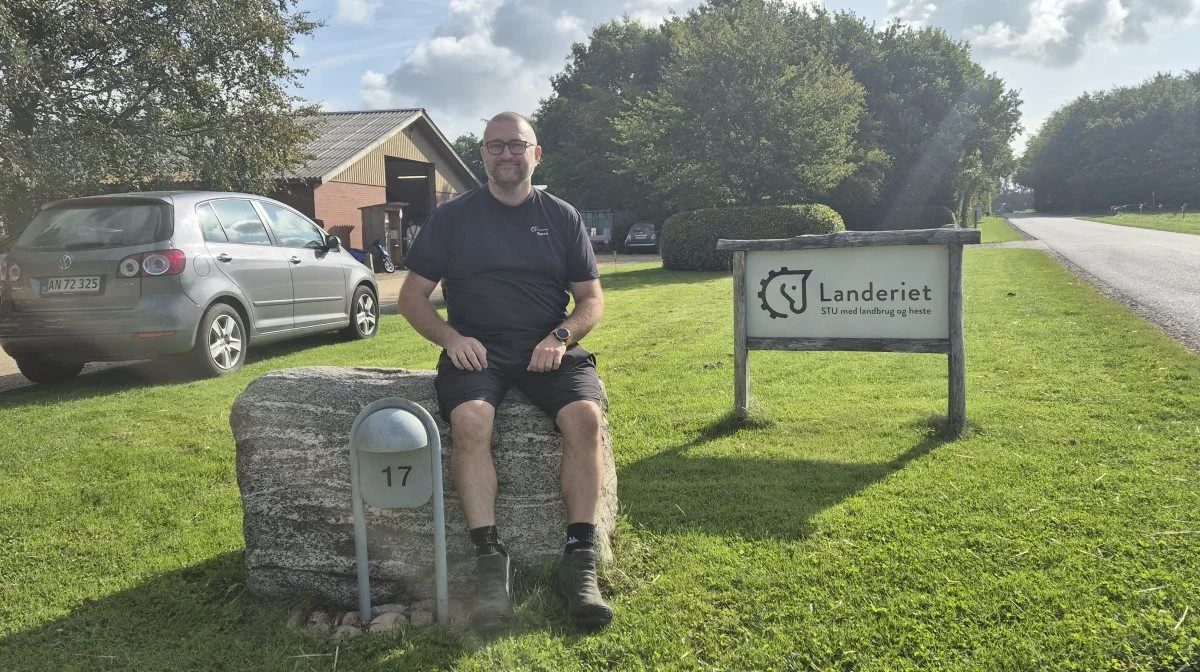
(881,291)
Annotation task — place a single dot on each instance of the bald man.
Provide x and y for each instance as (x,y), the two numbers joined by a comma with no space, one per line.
(508,255)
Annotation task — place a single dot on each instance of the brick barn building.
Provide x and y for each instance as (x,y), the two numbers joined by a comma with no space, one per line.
(376,175)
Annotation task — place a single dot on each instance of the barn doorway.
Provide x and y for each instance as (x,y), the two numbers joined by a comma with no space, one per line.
(412,183)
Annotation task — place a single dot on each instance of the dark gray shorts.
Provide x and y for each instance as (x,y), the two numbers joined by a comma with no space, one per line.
(574,380)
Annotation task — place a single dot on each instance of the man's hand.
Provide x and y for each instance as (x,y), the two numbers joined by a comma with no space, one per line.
(547,355)
(467,353)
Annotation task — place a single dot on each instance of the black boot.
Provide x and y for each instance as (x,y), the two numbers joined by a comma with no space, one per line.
(577,582)
(493,603)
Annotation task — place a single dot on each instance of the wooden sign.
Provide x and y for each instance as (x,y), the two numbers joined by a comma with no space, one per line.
(884,291)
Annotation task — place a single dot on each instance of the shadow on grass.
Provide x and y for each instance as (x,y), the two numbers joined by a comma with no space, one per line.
(676,491)
(391,308)
(202,618)
(655,277)
(112,378)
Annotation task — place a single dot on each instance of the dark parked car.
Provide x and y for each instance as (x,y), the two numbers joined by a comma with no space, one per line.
(197,276)
(5,243)
(642,237)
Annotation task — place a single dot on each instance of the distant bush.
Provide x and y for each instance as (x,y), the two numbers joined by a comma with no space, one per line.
(926,217)
(689,239)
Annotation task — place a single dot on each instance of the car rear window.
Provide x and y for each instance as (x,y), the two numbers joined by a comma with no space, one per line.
(96,226)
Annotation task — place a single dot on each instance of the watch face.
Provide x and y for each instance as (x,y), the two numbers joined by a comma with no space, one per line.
(562,334)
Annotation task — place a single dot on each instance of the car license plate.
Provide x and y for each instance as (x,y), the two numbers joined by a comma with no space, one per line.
(89,284)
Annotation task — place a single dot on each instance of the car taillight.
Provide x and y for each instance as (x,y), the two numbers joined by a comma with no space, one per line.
(152,264)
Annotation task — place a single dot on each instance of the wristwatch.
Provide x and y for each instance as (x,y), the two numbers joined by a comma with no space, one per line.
(563,334)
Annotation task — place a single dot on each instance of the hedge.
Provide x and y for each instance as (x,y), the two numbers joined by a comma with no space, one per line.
(689,239)
(921,217)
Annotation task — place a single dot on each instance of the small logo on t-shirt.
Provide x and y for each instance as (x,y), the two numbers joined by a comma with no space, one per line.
(540,232)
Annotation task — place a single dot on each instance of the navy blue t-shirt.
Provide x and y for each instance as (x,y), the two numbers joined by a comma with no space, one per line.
(505,270)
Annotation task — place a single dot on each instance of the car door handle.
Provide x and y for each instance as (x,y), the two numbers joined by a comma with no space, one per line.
(294,260)
(224,257)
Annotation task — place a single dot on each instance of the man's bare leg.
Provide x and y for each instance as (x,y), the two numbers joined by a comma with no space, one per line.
(582,462)
(475,483)
(471,461)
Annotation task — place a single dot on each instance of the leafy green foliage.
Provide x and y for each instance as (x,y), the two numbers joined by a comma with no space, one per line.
(934,127)
(779,132)
(622,61)
(910,217)
(1128,146)
(689,239)
(941,121)
(467,146)
(111,95)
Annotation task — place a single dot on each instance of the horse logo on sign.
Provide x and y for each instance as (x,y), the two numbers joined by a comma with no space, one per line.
(785,292)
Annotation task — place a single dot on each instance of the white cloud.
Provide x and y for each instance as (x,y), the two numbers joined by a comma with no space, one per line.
(915,13)
(357,11)
(1052,32)
(493,55)
(374,91)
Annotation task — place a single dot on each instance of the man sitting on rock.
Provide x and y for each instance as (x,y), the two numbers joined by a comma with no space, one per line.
(507,255)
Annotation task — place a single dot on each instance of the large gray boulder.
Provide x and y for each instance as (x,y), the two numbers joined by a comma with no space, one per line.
(292,429)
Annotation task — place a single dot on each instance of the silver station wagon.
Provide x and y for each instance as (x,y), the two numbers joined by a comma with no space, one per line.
(193,276)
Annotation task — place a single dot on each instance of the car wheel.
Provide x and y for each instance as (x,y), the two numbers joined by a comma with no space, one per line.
(47,370)
(221,342)
(364,315)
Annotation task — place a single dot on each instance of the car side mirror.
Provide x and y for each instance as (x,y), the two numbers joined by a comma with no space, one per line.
(332,242)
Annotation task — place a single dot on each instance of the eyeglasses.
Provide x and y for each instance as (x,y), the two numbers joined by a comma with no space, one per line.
(496,147)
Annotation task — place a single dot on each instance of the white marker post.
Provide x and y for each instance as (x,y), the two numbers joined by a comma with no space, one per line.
(396,463)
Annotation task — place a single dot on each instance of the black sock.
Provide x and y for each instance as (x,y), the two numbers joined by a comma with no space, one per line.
(486,540)
(581,535)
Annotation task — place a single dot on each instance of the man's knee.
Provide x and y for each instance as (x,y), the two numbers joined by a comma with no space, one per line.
(580,420)
(471,424)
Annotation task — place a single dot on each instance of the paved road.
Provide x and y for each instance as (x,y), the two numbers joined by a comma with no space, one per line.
(1156,273)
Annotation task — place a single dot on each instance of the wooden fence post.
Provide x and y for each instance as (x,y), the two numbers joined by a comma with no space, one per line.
(741,355)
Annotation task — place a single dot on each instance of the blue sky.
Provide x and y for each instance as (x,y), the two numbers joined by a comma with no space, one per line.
(464,60)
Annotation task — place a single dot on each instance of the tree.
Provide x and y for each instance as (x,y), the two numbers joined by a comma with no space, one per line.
(467,146)
(110,95)
(939,126)
(622,61)
(1121,147)
(737,120)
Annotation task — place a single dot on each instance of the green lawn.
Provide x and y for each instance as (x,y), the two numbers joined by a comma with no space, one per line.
(1187,223)
(997,230)
(837,532)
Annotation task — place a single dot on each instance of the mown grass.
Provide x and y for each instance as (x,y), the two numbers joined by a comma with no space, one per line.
(837,531)
(1179,223)
(998,230)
